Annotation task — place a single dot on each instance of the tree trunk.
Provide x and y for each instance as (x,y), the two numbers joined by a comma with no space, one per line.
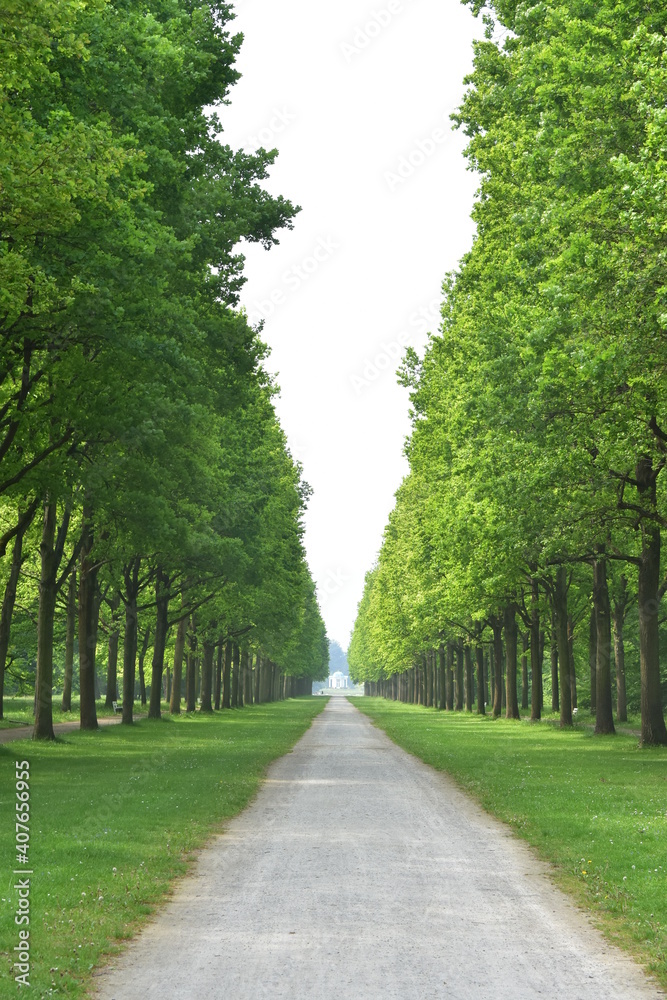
(511,635)
(573,669)
(207,677)
(88,607)
(70,632)
(142,657)
(112,660)
(604,719)
(258,679)
(235,675)
(653,731)
(593,656)
(227,677)
(467,665)
(479,661)
(162,596)
(97,606)
(8,602)
(525,645)
(535,652)
(497,628)
(246,676)
(620,605)
(191,668)
(553,653)
(459,677)
(179,647)
(131,575)
(449,678)
(217,694)
(47,604)
(442,701)
(492,674)
(560,609)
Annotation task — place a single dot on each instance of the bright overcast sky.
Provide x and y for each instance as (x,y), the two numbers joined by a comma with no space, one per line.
(356,98)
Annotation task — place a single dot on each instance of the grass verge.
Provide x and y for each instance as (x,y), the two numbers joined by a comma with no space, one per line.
(115,816)
(594,807)
(20,712)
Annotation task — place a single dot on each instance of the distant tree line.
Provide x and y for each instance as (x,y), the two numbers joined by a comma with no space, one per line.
(532,514)
(149,504)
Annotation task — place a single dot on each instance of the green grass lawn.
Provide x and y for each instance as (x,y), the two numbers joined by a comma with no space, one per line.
(19,711)
(595,807)
(115,816)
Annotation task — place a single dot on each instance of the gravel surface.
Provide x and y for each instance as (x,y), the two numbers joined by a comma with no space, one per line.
(359,873)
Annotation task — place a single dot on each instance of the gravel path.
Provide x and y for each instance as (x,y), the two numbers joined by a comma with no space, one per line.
(359,873)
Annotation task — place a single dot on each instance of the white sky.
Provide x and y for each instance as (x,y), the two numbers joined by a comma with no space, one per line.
(346,90)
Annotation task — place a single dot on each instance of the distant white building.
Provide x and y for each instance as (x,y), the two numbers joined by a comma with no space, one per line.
(337,680)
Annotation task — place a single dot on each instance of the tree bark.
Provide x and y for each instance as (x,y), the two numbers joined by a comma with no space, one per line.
(191,667)
(525,645)
(131,576)
(442,701)
(142,657)
(9,599)
(497,628)
(535,652)
(88,608)
(179,647)
(217,694)
(479,660)
(553,653)
(70,631)
(560,609)
(236,654)
(511,636)
(227,677)
(573,670)
(604,719)
(246,676)
(112,660)
(450,676)
(459,676)
(47,603)
(593,656)
(653,731)
(207,677)
(620,605)
(467,663)
(162,596)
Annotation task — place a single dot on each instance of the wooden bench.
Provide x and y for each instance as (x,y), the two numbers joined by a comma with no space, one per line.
(116,707)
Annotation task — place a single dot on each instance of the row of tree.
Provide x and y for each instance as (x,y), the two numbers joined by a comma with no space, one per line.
(539,411)
(144,478)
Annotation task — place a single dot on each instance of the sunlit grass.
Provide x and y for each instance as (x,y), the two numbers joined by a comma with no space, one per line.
(19,711)
(115,816)
(596,807)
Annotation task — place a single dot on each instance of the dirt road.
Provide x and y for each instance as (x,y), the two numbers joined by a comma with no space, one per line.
(361,874)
